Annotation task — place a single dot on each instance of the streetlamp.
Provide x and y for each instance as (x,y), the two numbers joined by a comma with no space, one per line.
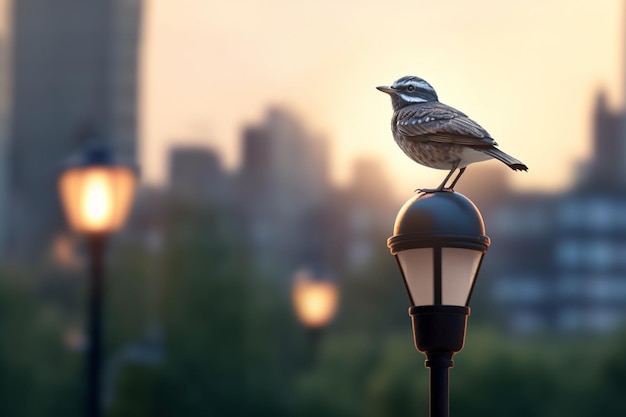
(96,192)
(439,243)
(315,303)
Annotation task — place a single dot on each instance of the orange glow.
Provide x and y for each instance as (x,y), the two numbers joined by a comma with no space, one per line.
(97,199)
(315,302)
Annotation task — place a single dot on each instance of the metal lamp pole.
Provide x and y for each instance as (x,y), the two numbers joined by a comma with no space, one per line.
(96,244)
(439,333)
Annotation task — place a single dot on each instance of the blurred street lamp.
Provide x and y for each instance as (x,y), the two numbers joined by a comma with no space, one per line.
(439,242)
(315,303)
(96,192)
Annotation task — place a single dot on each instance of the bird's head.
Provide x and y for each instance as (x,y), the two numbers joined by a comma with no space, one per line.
(409,90)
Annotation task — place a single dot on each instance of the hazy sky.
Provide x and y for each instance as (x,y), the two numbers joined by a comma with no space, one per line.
(526,71)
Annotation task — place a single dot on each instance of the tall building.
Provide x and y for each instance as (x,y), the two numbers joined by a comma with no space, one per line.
(281,157)
(607,167)
(283,185)
(560,260)
(74,68)
(196,176)
(5,33)
(370,212)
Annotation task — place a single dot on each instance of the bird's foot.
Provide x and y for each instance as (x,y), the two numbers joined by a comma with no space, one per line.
(442,187)
(433,190)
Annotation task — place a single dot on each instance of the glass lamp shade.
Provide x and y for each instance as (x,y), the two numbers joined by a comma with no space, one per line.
(439,242)
(449,282)
(97,198)
(315,302)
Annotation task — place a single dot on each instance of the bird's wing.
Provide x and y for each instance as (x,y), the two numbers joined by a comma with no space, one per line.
(437,122)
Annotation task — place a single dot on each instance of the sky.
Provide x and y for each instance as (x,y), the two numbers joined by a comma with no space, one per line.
(528,72)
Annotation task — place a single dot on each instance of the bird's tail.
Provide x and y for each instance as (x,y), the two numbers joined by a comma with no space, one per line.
(513,163)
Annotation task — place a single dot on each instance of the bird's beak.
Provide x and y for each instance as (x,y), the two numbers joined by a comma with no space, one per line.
(386,89)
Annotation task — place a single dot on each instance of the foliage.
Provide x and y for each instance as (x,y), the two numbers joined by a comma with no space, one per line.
(232,346)
(37,376)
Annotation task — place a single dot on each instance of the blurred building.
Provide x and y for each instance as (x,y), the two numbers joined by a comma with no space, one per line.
(607,168)
(281,200)
(371,210)
(73,69)
(5,33)
(196,176)
(282,158)
(559,261)
(283,184)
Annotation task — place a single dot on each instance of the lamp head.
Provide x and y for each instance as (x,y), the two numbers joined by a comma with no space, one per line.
(97,190)
(439,242)
(315,301)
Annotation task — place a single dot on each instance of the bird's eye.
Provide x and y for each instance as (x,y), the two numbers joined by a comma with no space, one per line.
(411,88)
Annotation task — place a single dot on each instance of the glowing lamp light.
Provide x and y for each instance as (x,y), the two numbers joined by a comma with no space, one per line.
(315,302)
(97,192)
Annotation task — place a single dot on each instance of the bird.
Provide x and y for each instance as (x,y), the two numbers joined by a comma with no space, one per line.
(436,135)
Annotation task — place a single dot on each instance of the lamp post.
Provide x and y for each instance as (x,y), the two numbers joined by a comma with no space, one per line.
(439,242)
(315,303)
(96,192)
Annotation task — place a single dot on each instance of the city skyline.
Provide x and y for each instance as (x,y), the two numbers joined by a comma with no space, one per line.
(532,87)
